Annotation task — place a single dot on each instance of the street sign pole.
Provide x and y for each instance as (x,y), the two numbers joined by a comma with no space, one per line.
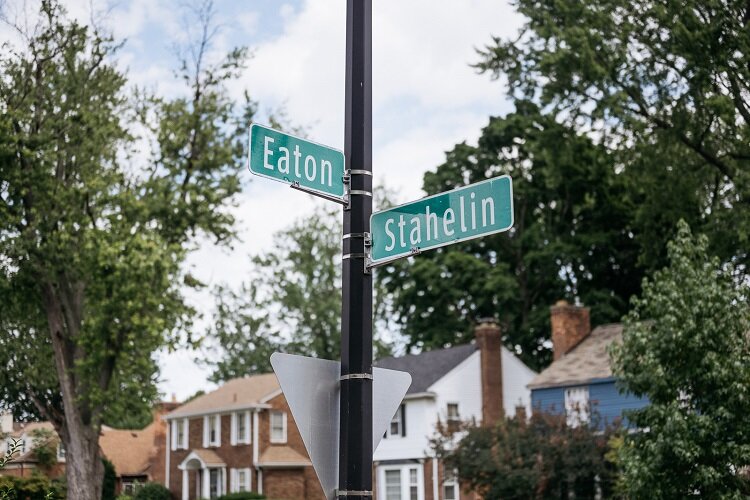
(355,439)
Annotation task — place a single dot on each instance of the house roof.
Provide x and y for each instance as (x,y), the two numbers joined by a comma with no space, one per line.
(588,361)
(428,367)
(130,451)
(280,456)
(236,393)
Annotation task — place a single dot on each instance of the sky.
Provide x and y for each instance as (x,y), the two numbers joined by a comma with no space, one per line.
(426,99)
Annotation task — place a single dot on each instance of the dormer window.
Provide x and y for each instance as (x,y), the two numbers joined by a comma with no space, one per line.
(397,426)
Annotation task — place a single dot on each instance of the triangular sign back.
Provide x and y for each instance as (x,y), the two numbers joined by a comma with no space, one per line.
(311,388)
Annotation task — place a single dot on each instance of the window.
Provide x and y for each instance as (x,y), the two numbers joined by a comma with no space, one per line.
(240,480)
(180,434)
(211,431)
(413,485)
(61,452)
(450,487)
(393,485)
(452,412)
(577,405)
(398,423)
(400,483)
(214,483)
(241,428)
(278,427)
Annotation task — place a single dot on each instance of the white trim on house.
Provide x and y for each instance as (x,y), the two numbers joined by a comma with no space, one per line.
(268,397)
(223,409)
(420,395)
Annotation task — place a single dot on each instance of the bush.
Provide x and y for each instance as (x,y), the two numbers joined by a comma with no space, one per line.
(109,481)
(245,495)
(152,491)
(36,487)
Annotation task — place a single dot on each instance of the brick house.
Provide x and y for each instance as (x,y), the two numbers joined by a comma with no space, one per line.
(137,454)
(240,437)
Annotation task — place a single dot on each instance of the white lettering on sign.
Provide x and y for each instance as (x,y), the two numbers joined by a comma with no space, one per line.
(324,175)
(409,231)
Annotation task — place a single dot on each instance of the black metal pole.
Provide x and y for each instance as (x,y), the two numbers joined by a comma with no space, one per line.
(355,442)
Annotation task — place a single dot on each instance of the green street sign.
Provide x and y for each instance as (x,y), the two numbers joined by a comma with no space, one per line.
(303,164)
(462,214)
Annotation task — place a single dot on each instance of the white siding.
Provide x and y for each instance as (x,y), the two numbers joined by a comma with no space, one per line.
(420,423)
(462,385)
(516,375)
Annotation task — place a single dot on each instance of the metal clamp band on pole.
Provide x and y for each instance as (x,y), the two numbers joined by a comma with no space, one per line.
(357,235)
(356,255)
(359,172)
(353,493)
(351,376)
(360,191)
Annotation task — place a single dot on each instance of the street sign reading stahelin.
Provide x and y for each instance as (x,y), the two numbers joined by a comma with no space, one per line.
(462,214)
(301,163)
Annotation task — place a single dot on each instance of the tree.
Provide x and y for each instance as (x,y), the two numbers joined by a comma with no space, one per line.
(292,302)
(570,239)
(666,87)
(541,457)
(686,347)
(90,248)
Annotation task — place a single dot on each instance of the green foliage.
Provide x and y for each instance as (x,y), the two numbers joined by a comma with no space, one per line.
(91,249)
(152,491)
(36,487)
(44,442)
(541,457)
(109,482)
(570,239)
(244,495)
(686,347)
(14,447)
(664,86)
(292,304)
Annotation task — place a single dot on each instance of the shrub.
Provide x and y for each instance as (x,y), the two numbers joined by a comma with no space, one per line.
(109,481)
(152,491)
(244,495)
(36,487)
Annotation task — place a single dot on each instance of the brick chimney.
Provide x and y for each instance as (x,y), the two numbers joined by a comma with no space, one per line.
(489,340)
(570,325)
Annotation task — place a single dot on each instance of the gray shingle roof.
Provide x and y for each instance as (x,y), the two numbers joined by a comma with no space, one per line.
(589,360)
(428,367)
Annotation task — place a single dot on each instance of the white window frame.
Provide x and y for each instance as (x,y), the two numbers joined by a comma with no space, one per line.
(235,485)
(577,405)
(451,482)
(448,416)
(276,439)
(237,417)
(207,443)
(405,480)
(176,445)
(397,419)
(60,452)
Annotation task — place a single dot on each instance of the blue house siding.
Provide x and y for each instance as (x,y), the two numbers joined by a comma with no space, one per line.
(605,399)
(550,400)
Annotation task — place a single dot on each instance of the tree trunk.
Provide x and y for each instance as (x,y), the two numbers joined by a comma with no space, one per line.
(84,469)
(79,428)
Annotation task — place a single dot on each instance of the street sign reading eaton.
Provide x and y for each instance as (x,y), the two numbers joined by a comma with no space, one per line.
(286,158)
(461,214)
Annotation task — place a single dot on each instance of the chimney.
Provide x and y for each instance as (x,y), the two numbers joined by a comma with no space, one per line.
(6,422)
(489,340)
(570,325)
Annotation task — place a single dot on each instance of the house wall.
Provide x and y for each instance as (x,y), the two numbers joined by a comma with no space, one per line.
(462,385)
(516,376)
(421,415)
(604,396)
